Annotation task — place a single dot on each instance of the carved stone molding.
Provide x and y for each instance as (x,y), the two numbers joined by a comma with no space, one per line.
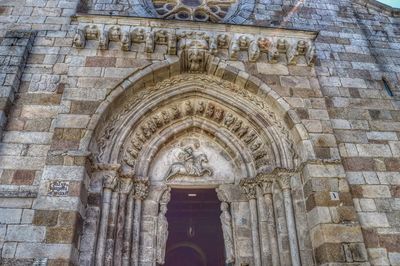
(204,109)
(209,110)
(195,46)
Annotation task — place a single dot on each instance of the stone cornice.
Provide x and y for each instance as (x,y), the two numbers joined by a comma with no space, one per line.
(393,11)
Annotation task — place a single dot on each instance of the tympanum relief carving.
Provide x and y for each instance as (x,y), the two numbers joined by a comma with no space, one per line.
(189,164)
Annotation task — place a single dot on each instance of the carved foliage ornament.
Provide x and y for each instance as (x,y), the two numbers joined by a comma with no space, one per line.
(141,189)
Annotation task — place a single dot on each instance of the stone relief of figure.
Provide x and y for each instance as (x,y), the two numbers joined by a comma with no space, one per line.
(226,223)
(188,164)
(162,234)
(195,59)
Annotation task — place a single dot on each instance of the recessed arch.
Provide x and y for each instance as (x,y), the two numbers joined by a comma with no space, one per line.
(252,88)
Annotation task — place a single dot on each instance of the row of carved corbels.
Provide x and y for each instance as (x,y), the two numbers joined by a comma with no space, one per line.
(136,188)
(254,45)
(264,181)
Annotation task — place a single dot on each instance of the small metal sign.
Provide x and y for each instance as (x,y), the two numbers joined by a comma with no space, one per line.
(334,195)
(58,188)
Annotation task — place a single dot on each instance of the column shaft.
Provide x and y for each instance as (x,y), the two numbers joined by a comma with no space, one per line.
(291,226)
(128,232)
(119,236)
(254,232)
(102,235)
(273,239)
(136,232)
(108,260)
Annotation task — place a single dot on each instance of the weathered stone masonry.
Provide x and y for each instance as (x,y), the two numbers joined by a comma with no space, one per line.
(81,90)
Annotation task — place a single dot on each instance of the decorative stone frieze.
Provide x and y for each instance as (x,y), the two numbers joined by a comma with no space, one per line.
(194,46)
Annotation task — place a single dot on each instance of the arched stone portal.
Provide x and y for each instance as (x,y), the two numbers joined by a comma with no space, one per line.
(195,130)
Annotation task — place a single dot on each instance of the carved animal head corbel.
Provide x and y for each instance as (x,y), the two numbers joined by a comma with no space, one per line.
(302,46)
(234,50)
(91,32)
(114,34)
(138,35)
(223,41)
(291,53)
(244,42)
(311,56)
(150,42)
(213,45)
(254,51)
(125,41)
(103,40)
(172,43)
(281,45)
(264,44)
(161,37)
(79,39)
(273,55)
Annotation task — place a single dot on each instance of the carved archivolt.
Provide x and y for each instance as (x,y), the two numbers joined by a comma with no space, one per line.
(243,46)
(152,123)
(165,117)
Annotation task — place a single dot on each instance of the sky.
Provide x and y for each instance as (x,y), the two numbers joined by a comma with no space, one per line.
(393,3)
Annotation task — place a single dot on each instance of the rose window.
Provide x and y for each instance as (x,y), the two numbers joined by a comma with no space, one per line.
(198,10)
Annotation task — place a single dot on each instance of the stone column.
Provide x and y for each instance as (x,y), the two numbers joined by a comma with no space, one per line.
(125,187)
(141,192)
(109,183)
(284,180)
(126,248)
(249,187)
(112,222)
(261,224)
(266,187)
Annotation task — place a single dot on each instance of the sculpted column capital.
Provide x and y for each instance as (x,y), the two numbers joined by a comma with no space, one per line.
(141,189)
(125,185)
(284,182)
(249,188)
(265,181)
(284,177)
(110,181)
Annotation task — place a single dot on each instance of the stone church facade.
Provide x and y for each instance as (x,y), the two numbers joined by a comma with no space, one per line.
(288,111)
